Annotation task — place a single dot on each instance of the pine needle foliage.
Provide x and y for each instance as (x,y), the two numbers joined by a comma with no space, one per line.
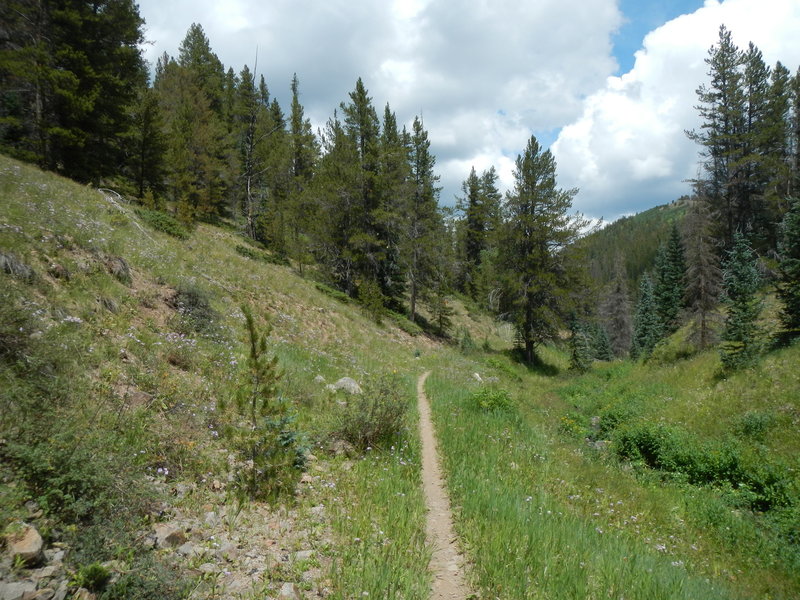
(647,325)
(789,267)
(740,343)
(271,454)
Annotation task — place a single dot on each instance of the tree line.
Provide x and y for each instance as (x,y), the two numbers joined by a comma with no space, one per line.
(356,204)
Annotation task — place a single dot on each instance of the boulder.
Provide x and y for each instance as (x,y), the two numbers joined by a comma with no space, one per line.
(347,384)
(169,535)
(289,590)
(16,590)
(319,379)
(26,546)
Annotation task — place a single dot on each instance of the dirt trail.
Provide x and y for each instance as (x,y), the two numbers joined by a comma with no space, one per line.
(446,562)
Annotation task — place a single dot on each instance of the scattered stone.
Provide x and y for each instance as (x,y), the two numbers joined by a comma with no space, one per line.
(306,479)
(289,590)
(342,448)
(217,485)
(303,555)
(83,594)
(16,590)
(139,398)
(187,549)
(207,568)
(317,511)
(477,377)
(228,551)
(211,519)
(347,384)
(44,573)
(26,546)
(43,594)
(169,535)
(57,271)
(319,379)
(61,592)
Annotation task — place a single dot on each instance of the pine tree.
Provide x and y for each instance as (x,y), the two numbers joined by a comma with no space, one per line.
(601,344)
(147,145)
(70,72)
(422,223)
(722,108)
(703,274)
(646,324)
(789,268)
(740,343)
(616,310)
(670,286)
(580,347)
(536,229)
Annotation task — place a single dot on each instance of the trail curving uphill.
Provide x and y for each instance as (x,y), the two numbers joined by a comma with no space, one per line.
(446,562)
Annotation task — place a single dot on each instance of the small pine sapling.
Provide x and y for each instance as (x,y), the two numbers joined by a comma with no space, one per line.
(740,338)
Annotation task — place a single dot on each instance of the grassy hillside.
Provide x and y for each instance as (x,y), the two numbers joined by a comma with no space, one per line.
(123,348)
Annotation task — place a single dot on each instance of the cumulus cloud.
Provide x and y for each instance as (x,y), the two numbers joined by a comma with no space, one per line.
(628,151)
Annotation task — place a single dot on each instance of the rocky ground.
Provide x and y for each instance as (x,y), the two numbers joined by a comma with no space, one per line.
(255,551)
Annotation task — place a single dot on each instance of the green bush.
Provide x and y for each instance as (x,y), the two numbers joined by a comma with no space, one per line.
(375,418)
(333,293)
(194,305)
(503,367)
(759,484)
(93,577)
(405,324)
(490,399)
(755,424)
(254,254)
(161,221)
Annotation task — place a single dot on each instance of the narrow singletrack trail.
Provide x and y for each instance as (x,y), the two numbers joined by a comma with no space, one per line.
(446,562)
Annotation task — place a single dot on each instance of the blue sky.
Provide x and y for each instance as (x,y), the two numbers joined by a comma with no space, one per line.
(641,17)
(608,85)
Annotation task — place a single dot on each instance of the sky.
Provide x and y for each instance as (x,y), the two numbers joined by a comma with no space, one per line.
(608,85)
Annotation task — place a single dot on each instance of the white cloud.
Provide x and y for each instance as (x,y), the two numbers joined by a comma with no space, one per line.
(628,151)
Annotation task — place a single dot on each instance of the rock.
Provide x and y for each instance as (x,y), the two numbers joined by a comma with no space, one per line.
(211,519)
(319,379)
(169,535)
(477,377)
(306,479)
(44,573)
(228,551)
(16,590)
(207,568)
(119,268)
(303,555)
(83,594)
(289,590)
(139,398)
(61,592)
(43,594)
(187,549)
(347,384)
(26,546)
(342,448)
(59,272)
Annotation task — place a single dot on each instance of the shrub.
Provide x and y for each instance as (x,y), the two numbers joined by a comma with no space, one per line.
(194,305)
(375,418)
(333,293)
(254,254)
(755,424)
(760,484)
(405,324)
(490,399)
(161,221)
(13,266)
(373,300)
(503,367)
(93,577)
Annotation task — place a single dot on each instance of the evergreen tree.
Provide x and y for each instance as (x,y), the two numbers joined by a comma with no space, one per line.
(616,310)
(248,111)
(703,275)
(789,268)
(536,229)
(69,74)
(670,286)
(422,224)
(147,144)
(207,72)
(722,108)
(601,344)
(580,347)
(740,344)
(646,324)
